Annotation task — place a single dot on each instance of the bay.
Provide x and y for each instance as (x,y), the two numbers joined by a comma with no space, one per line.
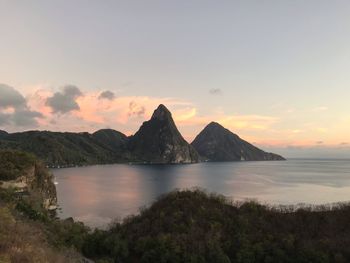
(98,194)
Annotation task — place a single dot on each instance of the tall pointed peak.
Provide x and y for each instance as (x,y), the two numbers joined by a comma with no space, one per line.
(159,141)
(161,113)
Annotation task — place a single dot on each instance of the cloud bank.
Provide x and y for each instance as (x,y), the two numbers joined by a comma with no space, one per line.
(108,95)
(9,97)
(65,101)
(136,110)
(14,110)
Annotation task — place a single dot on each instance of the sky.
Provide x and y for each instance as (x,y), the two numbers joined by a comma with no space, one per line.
(274,72)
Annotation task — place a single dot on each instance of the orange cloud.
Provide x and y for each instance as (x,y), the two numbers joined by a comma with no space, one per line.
(126,114)
(122,109)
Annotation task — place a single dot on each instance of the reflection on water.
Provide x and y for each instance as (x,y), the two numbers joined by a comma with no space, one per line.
(97,194)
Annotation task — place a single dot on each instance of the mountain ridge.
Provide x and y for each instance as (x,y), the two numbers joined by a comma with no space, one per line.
(157,141)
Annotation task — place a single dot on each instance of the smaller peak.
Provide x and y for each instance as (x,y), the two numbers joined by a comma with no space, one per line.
(104,130)
(107,131)
(214,124)
(161,113)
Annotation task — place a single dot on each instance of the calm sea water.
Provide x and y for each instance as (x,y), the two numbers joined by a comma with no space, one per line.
(97,194)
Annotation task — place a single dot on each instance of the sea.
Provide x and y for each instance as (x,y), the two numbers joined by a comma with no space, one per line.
(100,194)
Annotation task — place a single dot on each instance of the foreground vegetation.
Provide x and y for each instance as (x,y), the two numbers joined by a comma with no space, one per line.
(29,233)
(14,163)
(182,226)
(192,226)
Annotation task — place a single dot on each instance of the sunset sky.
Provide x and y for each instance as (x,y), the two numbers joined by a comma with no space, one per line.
(274,72)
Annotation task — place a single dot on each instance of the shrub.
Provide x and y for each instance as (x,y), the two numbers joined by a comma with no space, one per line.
(13,164)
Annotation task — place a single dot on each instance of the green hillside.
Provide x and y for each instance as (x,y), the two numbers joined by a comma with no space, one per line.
(67,149)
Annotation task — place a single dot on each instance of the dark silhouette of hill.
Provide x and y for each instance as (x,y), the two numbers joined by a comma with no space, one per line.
(215,143)
(64,148)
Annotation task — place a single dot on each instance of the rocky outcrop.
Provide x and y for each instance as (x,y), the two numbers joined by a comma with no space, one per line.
(42,183)
(159,141)
(215,143)
(28,177)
